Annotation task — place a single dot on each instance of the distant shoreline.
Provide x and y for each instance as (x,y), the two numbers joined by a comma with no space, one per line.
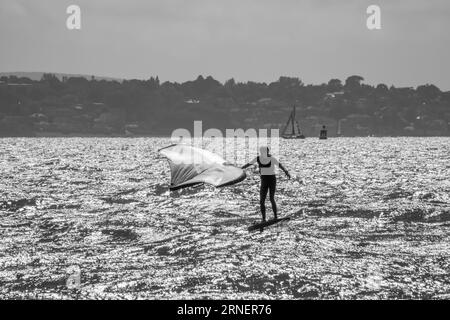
(77,106)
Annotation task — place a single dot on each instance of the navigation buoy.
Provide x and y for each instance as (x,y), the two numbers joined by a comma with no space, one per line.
(323,133)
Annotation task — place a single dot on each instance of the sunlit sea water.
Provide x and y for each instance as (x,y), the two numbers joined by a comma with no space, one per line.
(370,219)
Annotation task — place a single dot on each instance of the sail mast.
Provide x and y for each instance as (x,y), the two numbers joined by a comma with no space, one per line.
(287,123)
(294,123)
(293,119)
(298,127)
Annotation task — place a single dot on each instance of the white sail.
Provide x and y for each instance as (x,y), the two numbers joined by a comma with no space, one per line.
(292,129)
(190,166)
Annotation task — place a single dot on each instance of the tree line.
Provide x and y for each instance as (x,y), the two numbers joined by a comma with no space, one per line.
(151,107)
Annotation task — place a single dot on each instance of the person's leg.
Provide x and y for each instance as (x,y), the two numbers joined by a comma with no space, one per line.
(262,196)
(272,189)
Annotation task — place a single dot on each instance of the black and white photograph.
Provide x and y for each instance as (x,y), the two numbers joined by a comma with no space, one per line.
(223,150)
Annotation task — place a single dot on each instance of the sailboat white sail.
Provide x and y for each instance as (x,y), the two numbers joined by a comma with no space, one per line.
(339,133)
(292,129)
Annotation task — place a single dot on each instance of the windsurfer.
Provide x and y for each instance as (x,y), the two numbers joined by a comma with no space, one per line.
(266,163)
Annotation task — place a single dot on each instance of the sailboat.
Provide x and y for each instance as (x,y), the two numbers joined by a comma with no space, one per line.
(339,133)
(294,132)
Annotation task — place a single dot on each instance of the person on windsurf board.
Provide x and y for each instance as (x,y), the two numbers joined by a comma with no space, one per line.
(266,163)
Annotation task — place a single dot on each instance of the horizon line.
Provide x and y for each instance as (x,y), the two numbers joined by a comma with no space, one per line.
(222,82)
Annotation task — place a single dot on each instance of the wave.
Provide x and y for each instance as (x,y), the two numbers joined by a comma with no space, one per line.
(394,215)
(421,215)
(121,234)
(118,200)
(15,205)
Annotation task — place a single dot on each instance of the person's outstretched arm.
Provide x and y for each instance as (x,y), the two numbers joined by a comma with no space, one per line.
(249,164)
(282,168)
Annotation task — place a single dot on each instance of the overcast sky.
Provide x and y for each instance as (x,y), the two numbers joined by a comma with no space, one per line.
(257,40)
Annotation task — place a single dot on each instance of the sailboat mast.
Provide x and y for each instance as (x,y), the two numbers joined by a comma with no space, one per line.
(293,120)
(294,123)
(286,125)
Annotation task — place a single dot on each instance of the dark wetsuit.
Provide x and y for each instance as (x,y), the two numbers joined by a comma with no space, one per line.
(268,183)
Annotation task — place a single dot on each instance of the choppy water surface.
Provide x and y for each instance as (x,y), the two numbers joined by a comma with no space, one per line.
(370,219)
